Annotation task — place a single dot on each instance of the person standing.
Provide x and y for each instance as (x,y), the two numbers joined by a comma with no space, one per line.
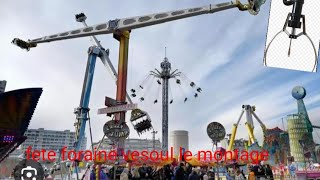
(167,172)
(143,171)
(180,172)
(93,173)
(188,169)
(251,175)
(103,175)
(239,175)
(269,172)
(228,177)
(211,175)
(205,176)
(194,175)
(292,170)
(259,172)
(135,174)
(125,174)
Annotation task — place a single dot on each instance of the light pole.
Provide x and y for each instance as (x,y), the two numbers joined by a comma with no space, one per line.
(215,143)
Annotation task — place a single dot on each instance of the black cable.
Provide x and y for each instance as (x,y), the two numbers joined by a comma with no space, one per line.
(184,94)
(149,87)
(141,86)
(158,93)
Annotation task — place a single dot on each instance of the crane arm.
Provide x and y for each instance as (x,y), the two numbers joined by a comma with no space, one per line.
(126,24)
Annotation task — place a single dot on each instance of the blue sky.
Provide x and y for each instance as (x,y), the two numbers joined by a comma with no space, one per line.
(221,52)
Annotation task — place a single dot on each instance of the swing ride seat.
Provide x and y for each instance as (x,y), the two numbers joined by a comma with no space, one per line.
(137,114)
(144,124)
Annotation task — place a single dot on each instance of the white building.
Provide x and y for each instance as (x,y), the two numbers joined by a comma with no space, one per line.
(178,138)
(49,140)
(132,145)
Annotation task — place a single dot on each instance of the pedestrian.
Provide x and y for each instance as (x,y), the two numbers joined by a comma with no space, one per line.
(211,175)
(251,175)
(125,174)
(242,173)
(103,175)
(135,174)
(167,172)
(261,174)
(292,170)
(239,175)
(93,173)
(269,172)
(228,177)
(193,175)
(188,169)
(205,176)
(143,171)
(180,173)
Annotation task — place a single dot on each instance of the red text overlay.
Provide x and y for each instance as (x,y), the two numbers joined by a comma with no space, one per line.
(218,155)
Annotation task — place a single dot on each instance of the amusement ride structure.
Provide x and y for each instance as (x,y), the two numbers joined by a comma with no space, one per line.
(297,144)
(300,128)
(250,113)
(163,77)
(121,29)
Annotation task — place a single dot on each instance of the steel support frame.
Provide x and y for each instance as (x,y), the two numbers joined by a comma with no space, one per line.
(165,113)
(123,38)
(82,112)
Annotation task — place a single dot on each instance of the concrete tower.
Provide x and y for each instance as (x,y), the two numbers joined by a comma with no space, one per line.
(179,138)
(296,129)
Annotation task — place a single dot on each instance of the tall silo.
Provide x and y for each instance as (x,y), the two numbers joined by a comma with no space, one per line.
(297,128)
(179,138)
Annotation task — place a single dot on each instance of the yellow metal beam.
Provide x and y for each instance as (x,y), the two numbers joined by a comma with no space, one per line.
(233,136)
(250,131)
(97,172)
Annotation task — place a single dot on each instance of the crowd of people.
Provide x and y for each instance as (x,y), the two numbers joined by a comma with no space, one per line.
(261,171)
(184,171)
(181,171)
(254,172)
